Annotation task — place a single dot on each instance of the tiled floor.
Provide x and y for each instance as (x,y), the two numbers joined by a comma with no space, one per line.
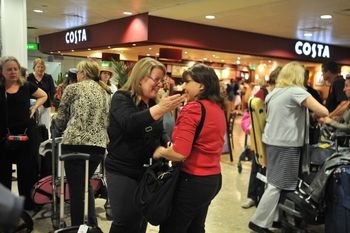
(225,214)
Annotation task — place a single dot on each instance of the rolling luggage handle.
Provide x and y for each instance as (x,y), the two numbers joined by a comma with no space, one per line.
(64,158)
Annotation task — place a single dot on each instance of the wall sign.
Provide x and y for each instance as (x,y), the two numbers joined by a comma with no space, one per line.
(312,49)
(76,36)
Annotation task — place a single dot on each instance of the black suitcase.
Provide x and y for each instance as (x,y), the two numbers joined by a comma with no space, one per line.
(84,227)
(337,218)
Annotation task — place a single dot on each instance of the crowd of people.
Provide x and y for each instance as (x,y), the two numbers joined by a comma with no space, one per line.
(95,117)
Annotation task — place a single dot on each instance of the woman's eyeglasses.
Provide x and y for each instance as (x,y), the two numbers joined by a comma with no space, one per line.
(156,80)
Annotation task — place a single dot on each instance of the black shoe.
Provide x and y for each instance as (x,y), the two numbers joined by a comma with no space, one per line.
(258,229)
(276,225)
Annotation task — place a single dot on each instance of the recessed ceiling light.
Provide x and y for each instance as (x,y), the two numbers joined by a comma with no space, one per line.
(89,49)
(222,60)
(133,44)
(58,51)
(205,59)
(238,62)
(127,13)
(38,11)
(148,54)
(210,17)
(149,48)
(325,16)
(308,34)
(109,47)
(238,58)
(72,50)
(157,54)
(186,52)
(51,52)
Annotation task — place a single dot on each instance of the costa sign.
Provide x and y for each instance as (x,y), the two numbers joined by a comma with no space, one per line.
(76,36)
(312,49)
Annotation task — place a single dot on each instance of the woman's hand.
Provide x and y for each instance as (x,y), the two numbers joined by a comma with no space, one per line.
(157,154)
(166,104)
(32,111)
(169,103)
(324,120)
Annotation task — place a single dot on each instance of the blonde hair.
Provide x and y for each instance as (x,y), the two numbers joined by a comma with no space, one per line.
(141,69)
(38,61)
(292,74)
(90,69)
(3,60)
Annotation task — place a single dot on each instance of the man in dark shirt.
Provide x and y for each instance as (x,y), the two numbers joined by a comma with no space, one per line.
(336,102)
(310,89)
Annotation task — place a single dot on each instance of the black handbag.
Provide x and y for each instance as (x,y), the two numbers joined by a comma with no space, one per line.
(155,192)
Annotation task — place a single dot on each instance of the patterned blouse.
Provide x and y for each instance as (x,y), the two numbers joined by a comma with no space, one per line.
(83,114)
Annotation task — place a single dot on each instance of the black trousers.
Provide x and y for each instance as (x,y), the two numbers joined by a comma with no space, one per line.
(193,197)
(126,218)
(25,157)
(75,173)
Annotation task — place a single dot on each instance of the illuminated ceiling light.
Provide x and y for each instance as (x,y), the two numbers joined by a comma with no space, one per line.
(213,55)
(269,61)
(325,16)
(186,52)
(308,34)
(133,44)
(38,11)
(149,48)
(157,54)
(210,17)
(222,60)
(109,47)
(72,50)
(89,49)
(148,54)
(51,52)
(205,59)
(127,13)
(238,58)
(238,62)
(58,51)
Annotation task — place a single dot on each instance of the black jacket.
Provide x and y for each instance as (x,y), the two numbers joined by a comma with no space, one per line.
(133,135)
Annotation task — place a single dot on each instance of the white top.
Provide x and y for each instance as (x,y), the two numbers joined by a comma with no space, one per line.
(285,123)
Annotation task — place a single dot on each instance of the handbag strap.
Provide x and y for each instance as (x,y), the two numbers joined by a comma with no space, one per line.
(201,122)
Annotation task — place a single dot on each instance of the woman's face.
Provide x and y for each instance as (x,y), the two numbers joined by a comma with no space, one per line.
(150,84)
(347,88)
(11,71)
(191,88)
(39,69)
(80,76)
(105,76)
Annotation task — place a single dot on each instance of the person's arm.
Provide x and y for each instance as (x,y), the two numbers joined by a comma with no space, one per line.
(41,98)
(168,153)
(312,104)
(52,88)
(340,109)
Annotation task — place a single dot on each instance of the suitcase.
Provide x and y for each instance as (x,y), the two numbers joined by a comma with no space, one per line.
(84,227)
(257,113)
(337,218)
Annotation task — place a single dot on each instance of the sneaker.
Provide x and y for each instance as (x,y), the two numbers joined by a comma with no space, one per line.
(258,229)
(249,203)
